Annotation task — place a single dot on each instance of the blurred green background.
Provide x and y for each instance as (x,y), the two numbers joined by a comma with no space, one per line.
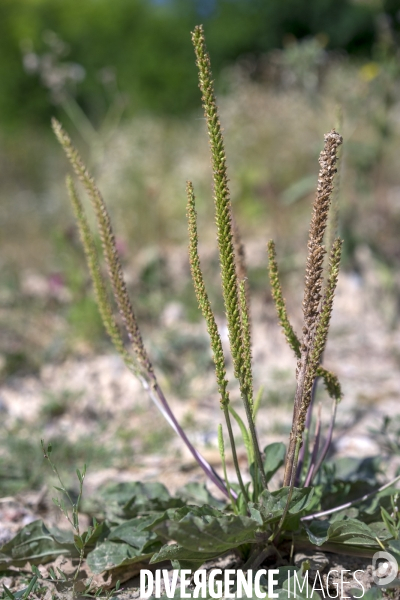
(121,77)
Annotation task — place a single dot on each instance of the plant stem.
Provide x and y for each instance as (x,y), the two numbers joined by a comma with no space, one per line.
(234,454)
(315,449)
(290,466)
(225,236)
(159,399)
(289,498)
(324,513)
(327,442)
(256,448)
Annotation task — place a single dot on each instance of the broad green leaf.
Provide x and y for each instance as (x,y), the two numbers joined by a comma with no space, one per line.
(347,531)
(205,511)
(349,468)
(176,552)
(274,457)
(36,544)
(318,532)
(133,533)
(380,531)
(353,532)
(209,533)
(197,493)
(255,514)
(394,546)
(129,499)
(109,555)
(272,504)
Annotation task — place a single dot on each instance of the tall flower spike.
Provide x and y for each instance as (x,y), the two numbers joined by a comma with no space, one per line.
(223,217)
(331,381)
(279,300)
(321,332)
(215,338)
(333,220)
(230,283)
(246,336)
(109,247)
(146,374)
(241,267)
(316,251)
(306,366)
(202,298)
(103,302)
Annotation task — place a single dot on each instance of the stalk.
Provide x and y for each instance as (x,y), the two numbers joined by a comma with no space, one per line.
(316,315)
(225,234)
(207,312)
(142,367)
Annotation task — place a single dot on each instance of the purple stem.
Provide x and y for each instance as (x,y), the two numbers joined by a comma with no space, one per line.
(327,442)
(157,395)
(307,427)
(314,450)
(324,513)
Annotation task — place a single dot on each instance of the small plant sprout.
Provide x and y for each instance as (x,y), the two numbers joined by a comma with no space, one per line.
(71,513)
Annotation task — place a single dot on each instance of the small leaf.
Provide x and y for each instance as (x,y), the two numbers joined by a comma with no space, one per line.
(390,524)
(63,576)
(93,534)
(8,592)
(79,543)
(31,587)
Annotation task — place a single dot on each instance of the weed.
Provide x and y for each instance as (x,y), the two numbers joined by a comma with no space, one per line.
(142,519)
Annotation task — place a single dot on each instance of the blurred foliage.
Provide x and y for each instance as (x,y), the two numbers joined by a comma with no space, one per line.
(141,49)
(283,67)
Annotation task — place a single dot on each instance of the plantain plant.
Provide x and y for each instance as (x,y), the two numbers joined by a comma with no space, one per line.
(142,519)
(317,304)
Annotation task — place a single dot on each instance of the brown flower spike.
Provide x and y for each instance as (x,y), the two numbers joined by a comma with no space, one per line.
(311,344)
